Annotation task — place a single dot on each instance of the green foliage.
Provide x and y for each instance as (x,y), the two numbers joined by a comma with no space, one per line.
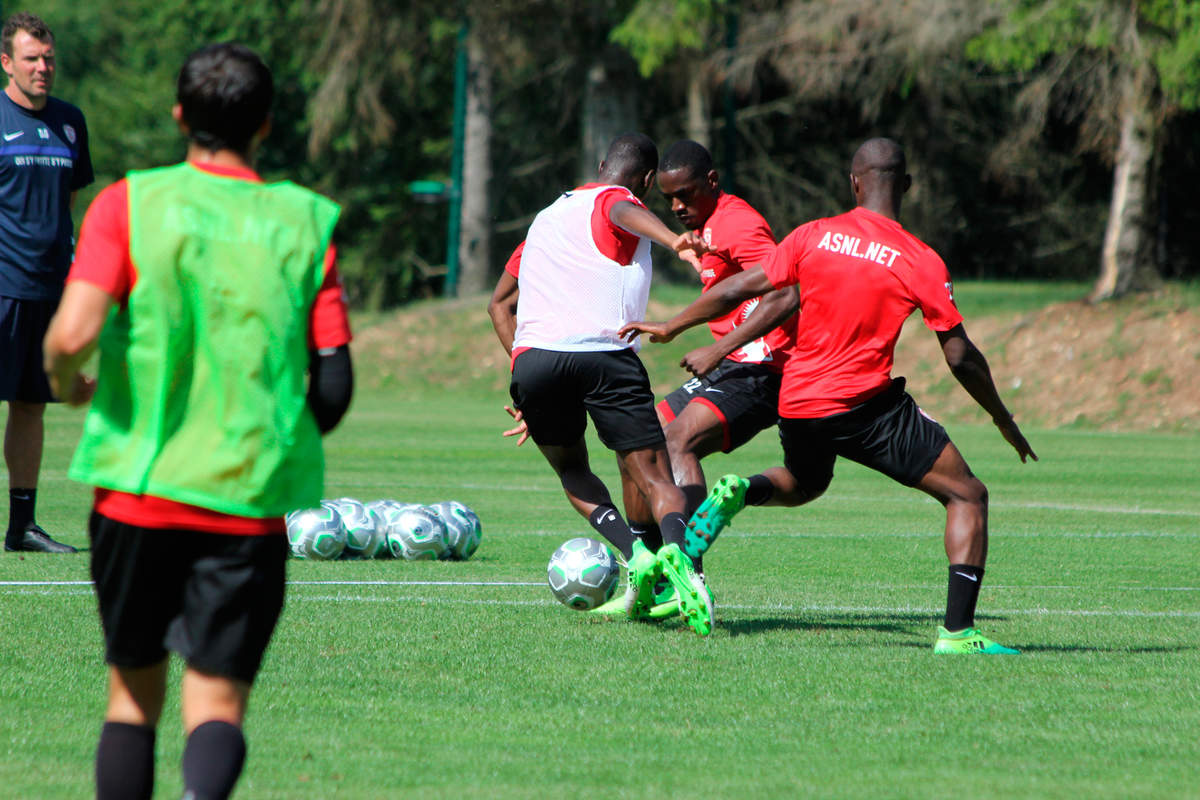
(1169,32)
(655,30)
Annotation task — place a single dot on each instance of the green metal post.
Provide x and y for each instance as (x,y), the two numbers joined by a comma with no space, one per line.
(456,163)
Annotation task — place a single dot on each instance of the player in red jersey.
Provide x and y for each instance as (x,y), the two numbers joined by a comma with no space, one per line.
(210,294)
(860,275)
(735,391)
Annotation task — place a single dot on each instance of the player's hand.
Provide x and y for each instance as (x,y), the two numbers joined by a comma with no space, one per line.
(79,392)
(659,332)
(521,429)
(1012,434)
(703,360)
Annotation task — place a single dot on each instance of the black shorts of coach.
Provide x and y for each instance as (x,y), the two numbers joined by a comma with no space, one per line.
(744,396)
(556,392)
(212,598)
(23,325)
(888,433)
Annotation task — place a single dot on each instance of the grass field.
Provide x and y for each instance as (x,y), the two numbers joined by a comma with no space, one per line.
(445,680)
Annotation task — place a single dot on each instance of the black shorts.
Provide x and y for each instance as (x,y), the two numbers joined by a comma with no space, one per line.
(23,325)
(213,598)
(744,396)
(887,433)
(556,391)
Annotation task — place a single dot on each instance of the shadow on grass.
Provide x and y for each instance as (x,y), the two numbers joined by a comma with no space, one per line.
(1073,648)
(880,623)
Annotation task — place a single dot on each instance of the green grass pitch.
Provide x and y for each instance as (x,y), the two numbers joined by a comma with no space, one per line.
(449,680)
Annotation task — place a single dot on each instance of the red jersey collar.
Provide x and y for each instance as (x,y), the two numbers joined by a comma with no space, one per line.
(241,173)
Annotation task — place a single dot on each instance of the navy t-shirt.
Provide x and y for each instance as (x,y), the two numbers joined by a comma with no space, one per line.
(43,159)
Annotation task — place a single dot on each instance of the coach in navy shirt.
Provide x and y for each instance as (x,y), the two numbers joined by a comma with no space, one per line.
(43,161)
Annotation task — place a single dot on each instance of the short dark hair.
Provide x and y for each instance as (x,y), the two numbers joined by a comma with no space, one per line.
(687,154)
(24,21)
(225,91)
(631,154)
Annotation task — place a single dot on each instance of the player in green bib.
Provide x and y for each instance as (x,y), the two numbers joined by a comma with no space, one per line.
(214,301)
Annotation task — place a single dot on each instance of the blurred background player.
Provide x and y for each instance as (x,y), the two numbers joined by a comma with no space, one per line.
(860,275)
(202,433)
(735,391)
(584,272)
(44,160)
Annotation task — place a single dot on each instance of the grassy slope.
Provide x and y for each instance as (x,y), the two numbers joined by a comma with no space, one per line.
(468,680)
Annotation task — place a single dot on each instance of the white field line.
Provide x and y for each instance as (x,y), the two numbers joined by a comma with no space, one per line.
(858,500)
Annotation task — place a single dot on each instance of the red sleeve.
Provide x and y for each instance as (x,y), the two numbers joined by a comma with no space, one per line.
(102,253)
(750,238)
(783,266)
(612,240)
(935,293)
(513,265)
(329,322)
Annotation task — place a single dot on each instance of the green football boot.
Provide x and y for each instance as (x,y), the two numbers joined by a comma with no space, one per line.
(967,642)
(694,599)
(726,499)
(644,572)
(613,607)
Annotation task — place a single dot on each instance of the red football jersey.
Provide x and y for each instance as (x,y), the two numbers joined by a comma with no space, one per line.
(860,276)
(742,239)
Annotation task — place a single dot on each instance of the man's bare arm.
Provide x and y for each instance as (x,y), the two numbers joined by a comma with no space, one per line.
(970,369)
(776,308)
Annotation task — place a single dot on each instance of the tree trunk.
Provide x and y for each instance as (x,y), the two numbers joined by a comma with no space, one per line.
(698,114)
(475,240)
(609,107)
(1127,260)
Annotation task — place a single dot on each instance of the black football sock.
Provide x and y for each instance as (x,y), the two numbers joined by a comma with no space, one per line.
(609,523)
(961,595)
(212,761)
(673,526)
(21,503)
(125,762)
(650,535)
(759,491)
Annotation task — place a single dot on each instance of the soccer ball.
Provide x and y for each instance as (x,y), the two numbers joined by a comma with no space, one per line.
(316,533)
(364,537)
(414,532)
(583,573)
(463,529)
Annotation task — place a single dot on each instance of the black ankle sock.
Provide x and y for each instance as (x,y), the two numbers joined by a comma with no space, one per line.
(212,760)
(21,503)
(650,535)
(759,491)
(609,523)
(125,762)
(961,595)
(673,526)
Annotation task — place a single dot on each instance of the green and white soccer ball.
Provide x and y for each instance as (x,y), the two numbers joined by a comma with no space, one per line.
(365,538)
(316,533)
(583,573)
(463,529)
(414,532)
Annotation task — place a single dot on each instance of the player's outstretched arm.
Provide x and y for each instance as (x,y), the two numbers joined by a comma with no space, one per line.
(971,370)
(71,339)
(643,222)
(773,310)
(720,299)
(503,310)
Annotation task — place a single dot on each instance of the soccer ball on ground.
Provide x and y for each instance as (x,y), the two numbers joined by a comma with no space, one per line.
(583,573)
(316,533)
(365,538)
(414,532)
(463,529)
